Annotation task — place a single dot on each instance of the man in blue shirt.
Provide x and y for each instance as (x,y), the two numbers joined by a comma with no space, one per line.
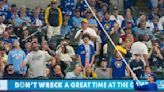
(151,86)
(16,57)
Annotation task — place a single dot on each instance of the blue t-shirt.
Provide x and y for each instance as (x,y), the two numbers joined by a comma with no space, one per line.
(147,87)
(107,26)
(118,68)
(16,57)
(76,21)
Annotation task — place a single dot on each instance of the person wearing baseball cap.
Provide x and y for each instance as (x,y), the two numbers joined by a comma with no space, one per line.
(151,86)
(53,19)
(117,66)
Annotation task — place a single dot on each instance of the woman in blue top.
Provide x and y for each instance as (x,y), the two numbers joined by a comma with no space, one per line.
(151,86)
(86,52)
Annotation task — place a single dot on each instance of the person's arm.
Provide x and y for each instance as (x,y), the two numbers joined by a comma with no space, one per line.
(146,59)
(60,17)
(24,63)
(136,87)
(9,59)
(150,53)
(78,35)
(128,71)
(159,54)
(110,73)
(46,16)
(93,58)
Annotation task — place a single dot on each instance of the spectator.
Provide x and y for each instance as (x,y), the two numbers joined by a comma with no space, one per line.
(137,66)
(8,41)
(86,29)
(147,41)
(12,14)
(45,47)
(6,5)
(2,26)
(156,26)
(23,18)
(154,13)
(102,72)
(142,18)
(89,73)
(115,34)
(155,56)
(107,24)
(27,47)
(3,11)
(139,47)
(76,74)
(16,57)
(63,54)
(68,5)
(76,19)
(10,30)
(53,19)
(92,22)
(86,52)
(117,66)
(37,61)
(143,29)
(128,19)
(25,37)
(81,6)
(69,48)
(56,73)
(3,57)
(118,18)
(36,20)
(65,29)
(147,72)
(103,9)
(10,73)
(128,36)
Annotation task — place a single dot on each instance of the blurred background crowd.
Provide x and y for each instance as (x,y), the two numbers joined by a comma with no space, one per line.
(65,41)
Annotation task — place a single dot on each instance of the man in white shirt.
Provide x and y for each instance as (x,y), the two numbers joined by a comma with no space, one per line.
(116,17)
(140,47)
(2,26)
(86,29)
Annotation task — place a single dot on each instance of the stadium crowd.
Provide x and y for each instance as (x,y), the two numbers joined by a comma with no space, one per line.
(66,42)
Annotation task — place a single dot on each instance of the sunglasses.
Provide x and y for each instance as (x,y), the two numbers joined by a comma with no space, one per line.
(53,3)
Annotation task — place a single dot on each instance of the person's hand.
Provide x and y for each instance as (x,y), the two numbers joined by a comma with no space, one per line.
(134,76)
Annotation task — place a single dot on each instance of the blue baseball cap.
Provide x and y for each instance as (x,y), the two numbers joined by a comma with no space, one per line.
(153,75)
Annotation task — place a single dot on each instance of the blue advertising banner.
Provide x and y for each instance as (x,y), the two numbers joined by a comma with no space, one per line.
(71,84)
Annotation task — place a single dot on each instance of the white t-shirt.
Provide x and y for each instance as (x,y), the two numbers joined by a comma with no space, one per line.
(119,19)
(90,31)
(139,48)
(37,62)
(2,28)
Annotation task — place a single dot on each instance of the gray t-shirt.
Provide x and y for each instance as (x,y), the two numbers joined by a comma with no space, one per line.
(37,62)
(72,75)
(102,74)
